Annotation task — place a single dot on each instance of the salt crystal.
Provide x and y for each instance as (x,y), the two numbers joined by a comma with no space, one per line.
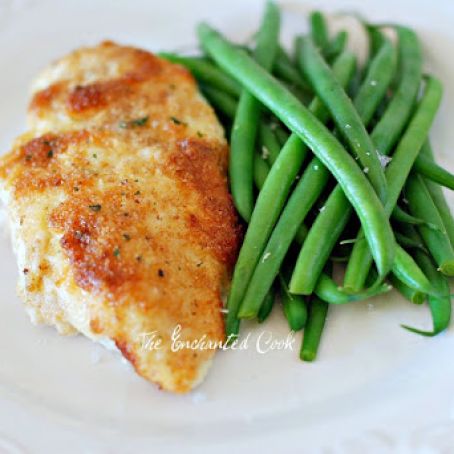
(265,153)
(266,256)
(384,160)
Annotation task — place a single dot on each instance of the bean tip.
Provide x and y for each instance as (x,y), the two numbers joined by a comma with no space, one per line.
(308,355)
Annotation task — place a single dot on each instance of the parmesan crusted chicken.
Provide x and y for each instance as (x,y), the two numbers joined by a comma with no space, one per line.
(122,223)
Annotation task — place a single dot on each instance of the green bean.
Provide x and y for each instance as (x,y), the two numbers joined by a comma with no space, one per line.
(295,309)
(261,171)
(376,38)
(336,46)
(206,72)
(268,206)
(379,75)
(244,130)
(304,97)
(284,69)
(409,293)
(421,205)
(270,144)
(440,306)
(300,202)
(322,236)
(221,101)
(405,269)
(343,112)
(313,330)
(396,175)
(227,105)
(317,137)
(389,128)
(371,278)
(270,203)
(267,44)
(408,272)
(330,223)
(301,234)
(281,134)
(434,172)
(266,307)
(409,243)
(330,292)
(305,194)
(443,210)
(439,198)
(402,216)
(319,31)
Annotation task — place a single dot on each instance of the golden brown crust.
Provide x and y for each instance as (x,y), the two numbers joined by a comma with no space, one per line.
(130,172)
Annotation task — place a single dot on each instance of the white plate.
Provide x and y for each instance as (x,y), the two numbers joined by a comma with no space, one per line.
(375,388)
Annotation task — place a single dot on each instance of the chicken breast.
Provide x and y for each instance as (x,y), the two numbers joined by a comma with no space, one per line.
(122,223)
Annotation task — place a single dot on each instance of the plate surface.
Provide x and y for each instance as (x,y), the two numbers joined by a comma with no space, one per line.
(375,388)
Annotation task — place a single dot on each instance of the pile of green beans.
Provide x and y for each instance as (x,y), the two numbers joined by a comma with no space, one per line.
(329,162)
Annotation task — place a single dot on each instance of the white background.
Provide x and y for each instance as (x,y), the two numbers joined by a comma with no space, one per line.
(375,388)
